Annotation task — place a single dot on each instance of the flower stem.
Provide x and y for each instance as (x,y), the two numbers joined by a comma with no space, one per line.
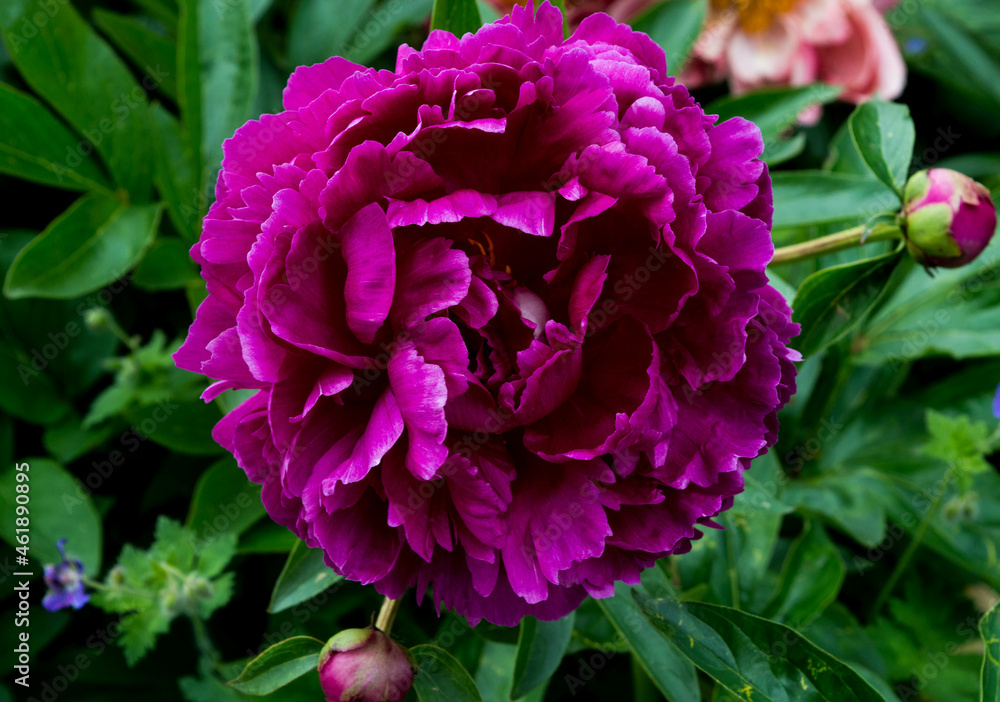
(847,239)
(204,642)
(387,615)
(914,544)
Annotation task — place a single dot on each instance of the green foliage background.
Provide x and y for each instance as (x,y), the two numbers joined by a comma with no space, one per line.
(856,566)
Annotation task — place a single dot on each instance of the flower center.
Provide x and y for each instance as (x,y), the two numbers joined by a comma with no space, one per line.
(755,15)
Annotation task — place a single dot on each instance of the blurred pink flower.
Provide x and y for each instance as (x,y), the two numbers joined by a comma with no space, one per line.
(796,42)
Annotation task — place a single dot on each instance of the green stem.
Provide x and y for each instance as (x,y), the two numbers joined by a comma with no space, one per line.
(831,243)
(204,642)
(911,549)
(387,615)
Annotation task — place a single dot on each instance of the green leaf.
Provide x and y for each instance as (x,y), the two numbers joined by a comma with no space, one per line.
(956,313)
(67,440)
(989,627)
(305,575)
(754,658)
(177,175)
(224,501)
(803,198)
(440,678)
(884,135)
(59,508)
(971,61)
(27,393)
(86,82)
(456,16)
(166,266)
(151,52)
(93,243)
(675,26)
(540,649)
(495,670)
(279,665)
(314,38)
(811,579)
(831,302)
(217,83)
(36,146)
(672,673)
(184,426)
(110,402)
(851,501)
(773,110)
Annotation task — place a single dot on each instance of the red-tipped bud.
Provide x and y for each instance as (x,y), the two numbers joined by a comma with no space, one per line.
(949,218)
(364,665)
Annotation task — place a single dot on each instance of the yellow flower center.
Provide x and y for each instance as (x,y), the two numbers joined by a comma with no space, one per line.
(755,15)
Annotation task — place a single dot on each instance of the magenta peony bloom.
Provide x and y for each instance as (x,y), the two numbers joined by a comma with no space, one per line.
(364,665)
(950,218)
(505,309)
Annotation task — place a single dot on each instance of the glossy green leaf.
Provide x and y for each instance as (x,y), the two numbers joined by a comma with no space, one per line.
(314,38)
(305,575)
(672,673)
(754,658)
(803,198)
(540,649)
(93,243)
(86,82)
(217,82)
(831,302)
(851,501)
(166,266)
(811,578)
(60,508)
(177,175)
(279,665)
(441,678)
(456,16)
(224,501)
(675,26)
(26,392)
(495,670)
(773,110)
(152,53)
(989,627)
(956,313)
(36,146)
(67,440)
(884,135)
(182,426)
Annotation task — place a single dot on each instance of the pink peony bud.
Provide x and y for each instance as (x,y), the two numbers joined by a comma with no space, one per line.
(950,218)
(364,665)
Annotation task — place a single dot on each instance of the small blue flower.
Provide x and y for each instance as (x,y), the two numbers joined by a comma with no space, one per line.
(65,581)
(996,403)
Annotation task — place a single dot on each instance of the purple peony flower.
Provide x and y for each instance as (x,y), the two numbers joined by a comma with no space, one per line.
(65,583)
(364,665)
(505,309)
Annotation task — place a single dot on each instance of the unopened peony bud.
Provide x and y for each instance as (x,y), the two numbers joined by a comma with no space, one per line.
(364,665)
(950,218)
